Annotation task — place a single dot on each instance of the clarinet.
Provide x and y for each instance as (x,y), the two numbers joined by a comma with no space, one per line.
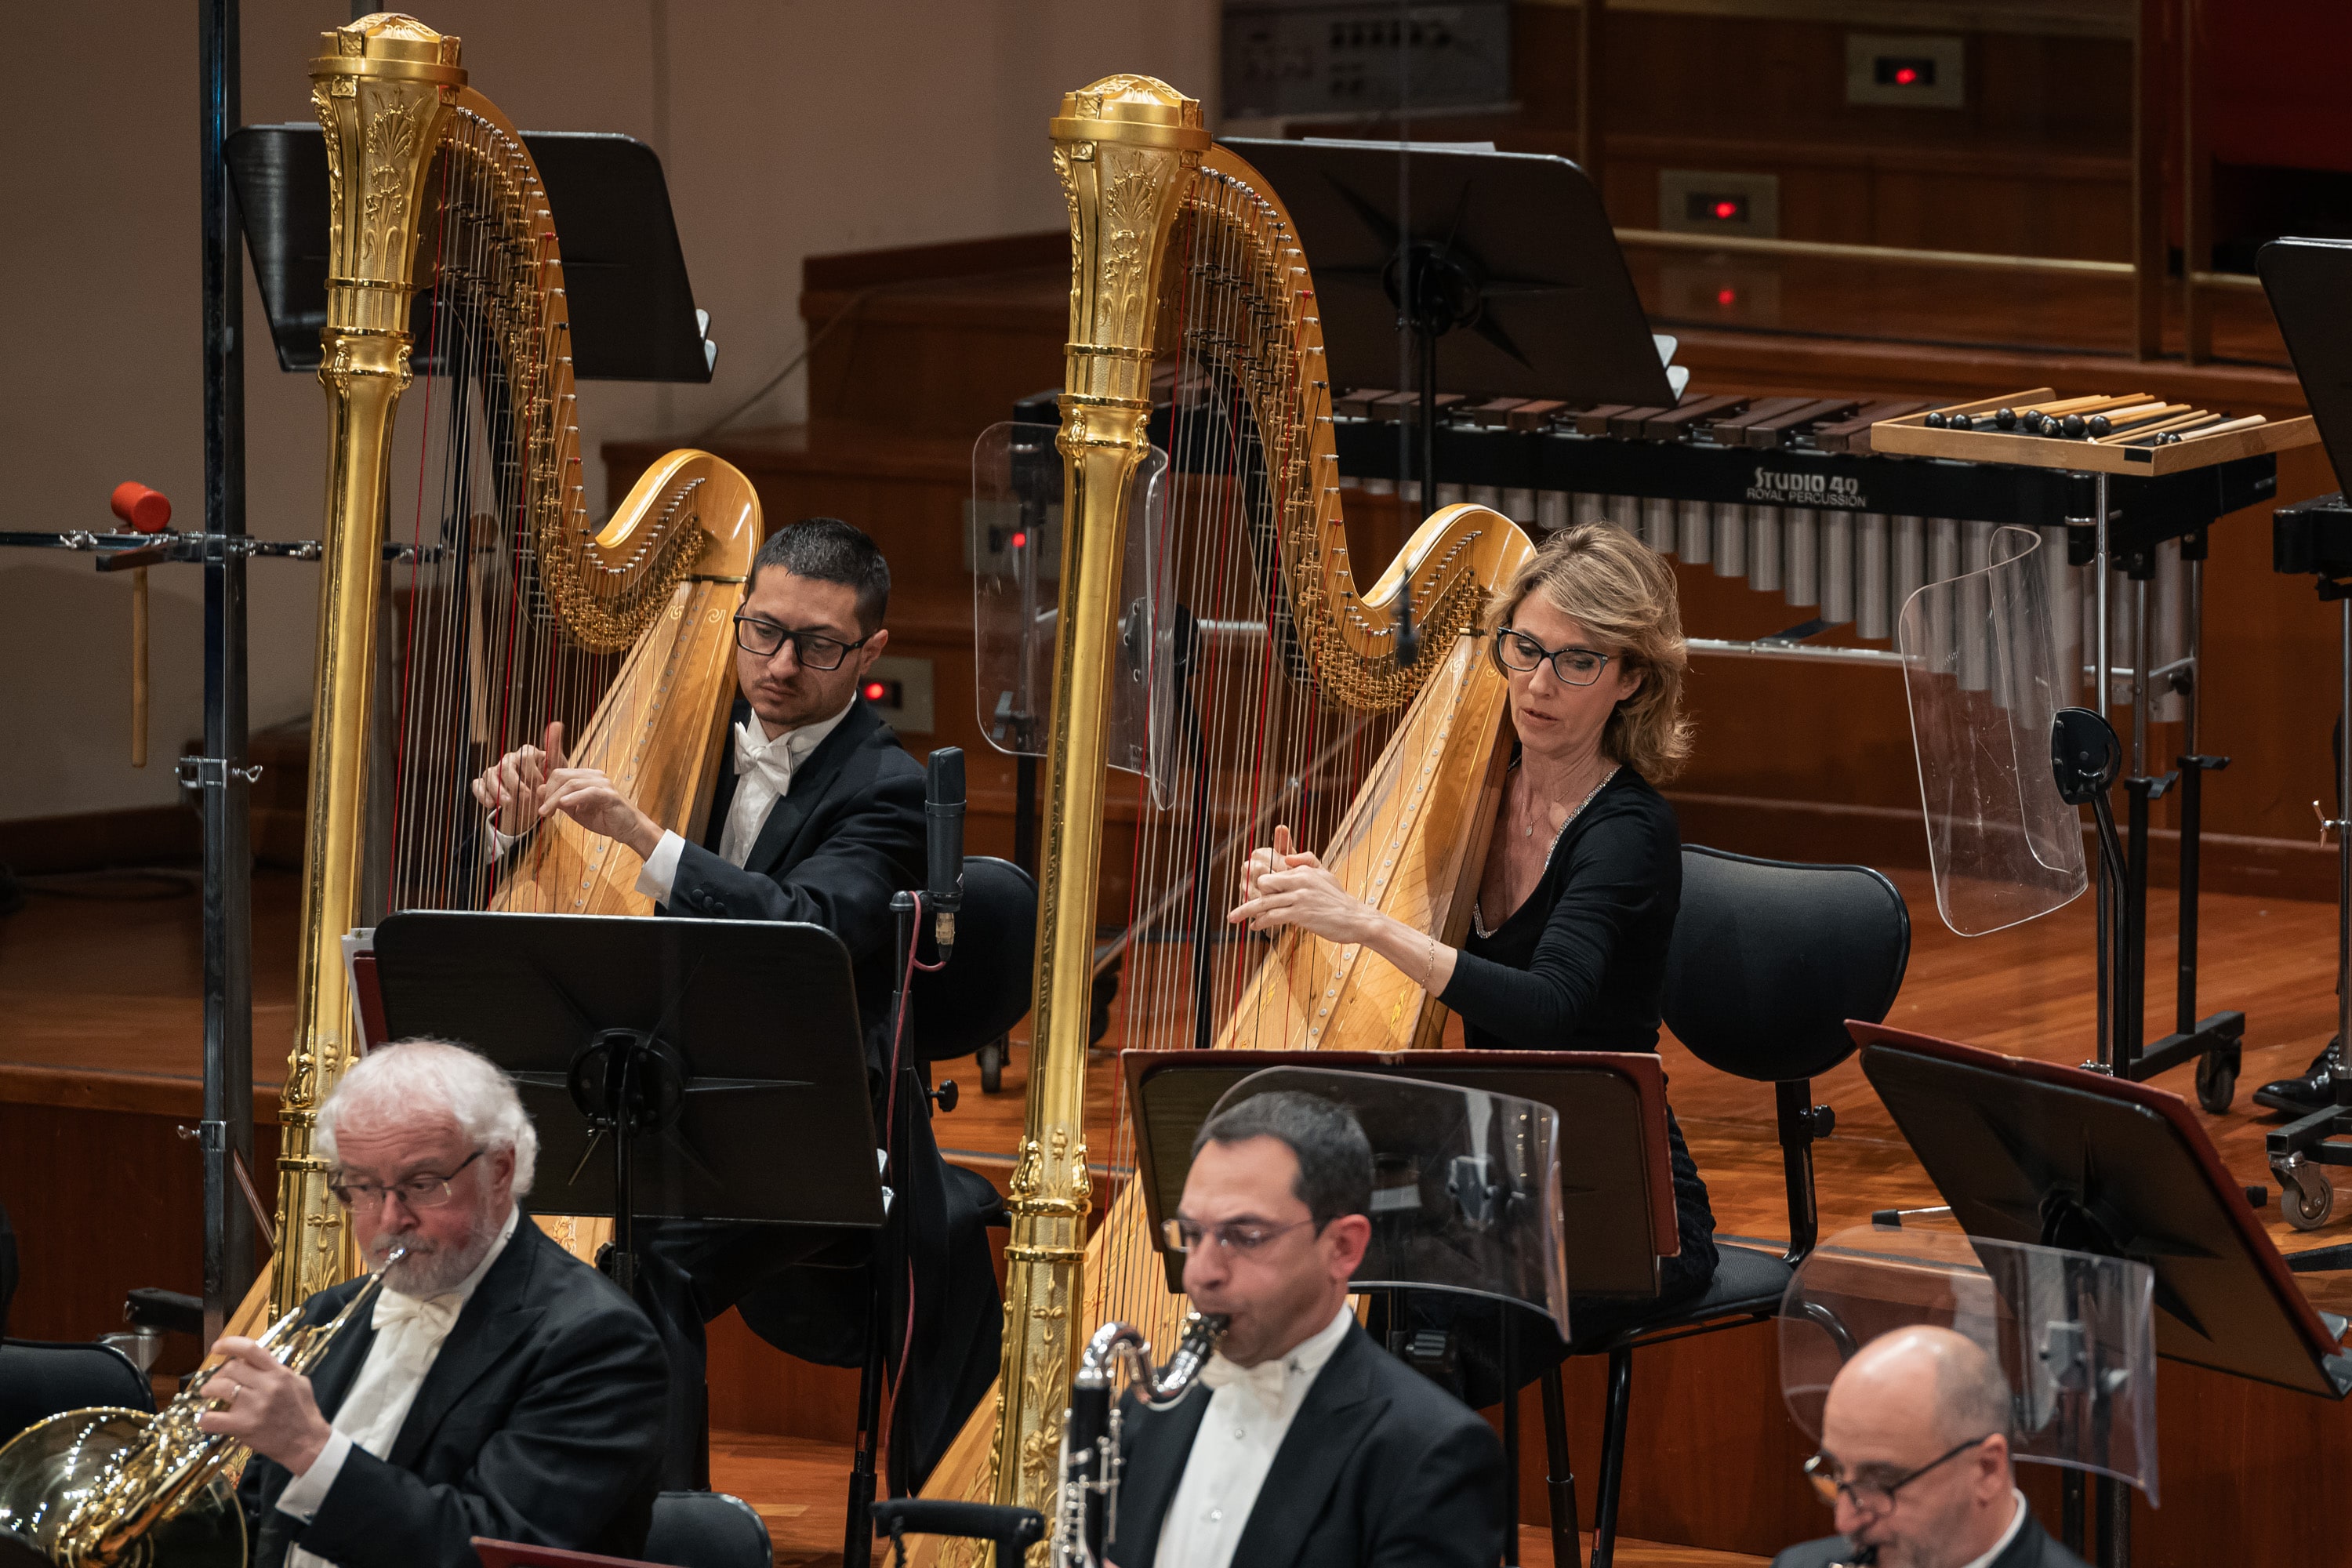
(1116,1360)
(1857,1557)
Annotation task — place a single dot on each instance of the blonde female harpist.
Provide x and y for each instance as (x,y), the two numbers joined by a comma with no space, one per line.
(1583,875)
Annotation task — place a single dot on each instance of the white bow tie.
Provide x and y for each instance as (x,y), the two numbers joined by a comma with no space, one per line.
(770,760)
(1269,1380)
(436,1312)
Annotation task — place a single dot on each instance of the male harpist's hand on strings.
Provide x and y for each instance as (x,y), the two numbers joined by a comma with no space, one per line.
(588,798)
(510,788)
(1285,886)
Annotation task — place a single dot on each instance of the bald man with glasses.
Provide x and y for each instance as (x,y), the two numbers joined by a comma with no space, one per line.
(1914,1460)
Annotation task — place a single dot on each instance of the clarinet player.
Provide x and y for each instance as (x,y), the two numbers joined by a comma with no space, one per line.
(1303,1443)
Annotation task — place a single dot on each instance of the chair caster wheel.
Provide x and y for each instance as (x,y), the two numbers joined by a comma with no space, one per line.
(2217,1082)
(990,1060)
(2307,1197)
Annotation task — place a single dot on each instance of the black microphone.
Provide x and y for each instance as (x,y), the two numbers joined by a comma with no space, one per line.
(943,836)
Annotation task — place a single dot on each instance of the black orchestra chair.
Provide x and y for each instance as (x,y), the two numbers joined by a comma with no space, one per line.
(708,1530)
(40,1379)
(1768,960)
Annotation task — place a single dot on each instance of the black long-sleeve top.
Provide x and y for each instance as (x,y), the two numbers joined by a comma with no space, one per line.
(1581,966)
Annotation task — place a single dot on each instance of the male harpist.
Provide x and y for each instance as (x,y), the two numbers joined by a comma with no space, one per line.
(819,819)
(498,1386)
(1304,1444)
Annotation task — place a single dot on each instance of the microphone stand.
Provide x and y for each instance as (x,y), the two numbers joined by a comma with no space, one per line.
(943,810)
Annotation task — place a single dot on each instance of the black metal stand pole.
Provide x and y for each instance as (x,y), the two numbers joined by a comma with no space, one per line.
(2114,1501)
(857,1529)
(2131,1017)
(1508,1364)
(228,1126)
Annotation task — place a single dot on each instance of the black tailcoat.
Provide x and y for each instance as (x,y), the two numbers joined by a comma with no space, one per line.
(2033,1548)
(1380,1467)
(539,1421)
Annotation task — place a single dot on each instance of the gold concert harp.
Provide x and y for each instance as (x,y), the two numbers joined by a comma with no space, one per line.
(1134,162)
(652,589)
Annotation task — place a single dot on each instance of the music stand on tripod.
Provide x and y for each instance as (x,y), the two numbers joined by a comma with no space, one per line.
(676,1049)
(1503,267)
(659,1061)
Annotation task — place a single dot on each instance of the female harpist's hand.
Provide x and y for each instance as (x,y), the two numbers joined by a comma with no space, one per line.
(1283,886)
(1282,855)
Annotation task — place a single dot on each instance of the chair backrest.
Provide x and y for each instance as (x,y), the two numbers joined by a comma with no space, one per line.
(1771,958)
(708,1530)
(985,988)
(40,1379)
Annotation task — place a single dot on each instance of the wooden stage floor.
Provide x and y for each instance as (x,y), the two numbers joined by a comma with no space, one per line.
(795,1485)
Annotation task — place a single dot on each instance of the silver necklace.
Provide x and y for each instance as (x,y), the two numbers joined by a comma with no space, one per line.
(1477,906)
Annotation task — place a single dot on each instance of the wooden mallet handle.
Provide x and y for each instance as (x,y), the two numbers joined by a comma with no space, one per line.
(147,511)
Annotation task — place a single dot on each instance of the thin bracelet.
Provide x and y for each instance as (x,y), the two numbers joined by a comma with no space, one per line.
(1429,984)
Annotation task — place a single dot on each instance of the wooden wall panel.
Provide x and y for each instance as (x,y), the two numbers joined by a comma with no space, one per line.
(103,1201)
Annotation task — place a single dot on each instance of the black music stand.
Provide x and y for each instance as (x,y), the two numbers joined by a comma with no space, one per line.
(2305,279)
(2032,1152)
(1503,266)
(1617,1195)
(678,1049)
(625,282)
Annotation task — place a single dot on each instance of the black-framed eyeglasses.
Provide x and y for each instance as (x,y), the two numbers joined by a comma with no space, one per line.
(1573,665)
(1233,1234)
(814,650)
(1873,1490)
(416,1194)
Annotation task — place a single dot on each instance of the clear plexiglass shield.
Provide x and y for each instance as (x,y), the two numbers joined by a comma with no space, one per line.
(2074,1333)
(1013,538)
(1980,665)
(1466,1184)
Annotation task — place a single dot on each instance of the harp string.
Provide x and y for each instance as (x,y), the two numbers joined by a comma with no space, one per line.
(1257,737)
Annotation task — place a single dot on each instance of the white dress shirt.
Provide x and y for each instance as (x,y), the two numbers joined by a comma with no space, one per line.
(1249,1414)
(764,765)
(2016,1523)
(409,1333)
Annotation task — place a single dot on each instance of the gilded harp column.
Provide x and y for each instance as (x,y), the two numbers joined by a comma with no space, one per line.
(384,89)
(1125,149)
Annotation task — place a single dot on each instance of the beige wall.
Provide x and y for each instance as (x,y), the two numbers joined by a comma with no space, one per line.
(787,129)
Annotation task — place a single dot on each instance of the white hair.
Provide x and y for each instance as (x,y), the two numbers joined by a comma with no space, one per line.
(412,1080)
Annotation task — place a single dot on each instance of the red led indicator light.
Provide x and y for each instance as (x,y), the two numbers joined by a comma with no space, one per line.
(1020,539)
(875,691)
(1727,297)
(1727,209)
(1906,75)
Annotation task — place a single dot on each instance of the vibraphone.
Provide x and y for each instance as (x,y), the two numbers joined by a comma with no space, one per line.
(1798,496)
